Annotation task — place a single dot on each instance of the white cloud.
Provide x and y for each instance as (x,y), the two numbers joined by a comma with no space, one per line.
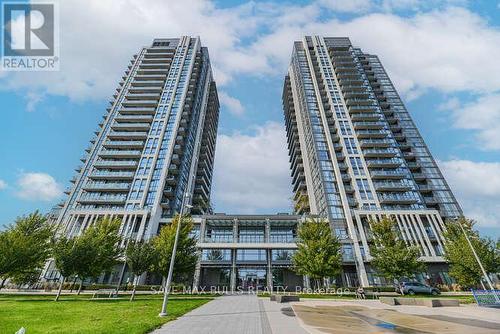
(432,50)
(38,187)
(252,173)
(3,184)
(32,100)
(449,49)
(232,104)
(477,187)
(482,115)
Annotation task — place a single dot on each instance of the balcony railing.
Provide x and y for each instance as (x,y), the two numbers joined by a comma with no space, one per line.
(120,153)
(397,198)
(391,186)
(102,198)
(387,174)
(380,153)
(106,186)
(107,174)
(119,163)
(395,162)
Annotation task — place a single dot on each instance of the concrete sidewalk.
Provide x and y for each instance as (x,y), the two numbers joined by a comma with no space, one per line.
(237,314)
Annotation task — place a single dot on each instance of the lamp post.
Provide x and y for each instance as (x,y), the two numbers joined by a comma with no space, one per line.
(477,257)
(163,312)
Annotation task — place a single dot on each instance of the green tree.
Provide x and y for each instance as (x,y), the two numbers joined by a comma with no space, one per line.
(318,254)
(65,258)
(7,254)
(463,265)
(97,249)
(24,248)
(185,258)
(140,257)
(392,258)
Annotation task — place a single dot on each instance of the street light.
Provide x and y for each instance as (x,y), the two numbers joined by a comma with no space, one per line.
(163,312)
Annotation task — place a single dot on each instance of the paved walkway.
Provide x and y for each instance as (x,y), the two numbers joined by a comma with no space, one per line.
(238,314)
(368,316)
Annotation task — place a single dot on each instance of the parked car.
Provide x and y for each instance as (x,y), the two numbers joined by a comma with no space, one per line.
(412,288)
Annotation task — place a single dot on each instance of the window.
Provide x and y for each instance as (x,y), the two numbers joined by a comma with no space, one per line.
(364,189)
(341,233)
(350,145)
(345,129)
(357,166)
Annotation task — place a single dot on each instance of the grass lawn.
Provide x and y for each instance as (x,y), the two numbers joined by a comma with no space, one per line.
(79,314)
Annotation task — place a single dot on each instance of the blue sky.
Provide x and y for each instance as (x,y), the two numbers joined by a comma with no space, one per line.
(442,56)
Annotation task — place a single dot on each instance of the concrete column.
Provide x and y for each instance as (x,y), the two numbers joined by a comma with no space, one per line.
(358,258)
(401,230)
(410,233)
(203,226)
(269,271)
(426,237)
(440,221)
(405,230)
(364,241)
(417,232)
(197,272)
(235,230)
(233,270)
(267,232)
(85,221)
(142,228)
(435,229)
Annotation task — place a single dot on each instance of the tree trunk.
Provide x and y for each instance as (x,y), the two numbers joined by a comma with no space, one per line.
(133,291)
(80,287)
(73,285)
(3,283)
(60,288)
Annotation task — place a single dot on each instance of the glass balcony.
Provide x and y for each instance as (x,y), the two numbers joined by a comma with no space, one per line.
(111,175)
(365,117)
(381,163)
(391,186)
(91,198)
(120,153)
(143,96)
(387,174)
(96,186)
(124,143)
(372,133)
(132,110)
(390,198)
(149,83)
(375,143)
(131,126)
(127,134)
(369,125)
(115,163)
(368,153)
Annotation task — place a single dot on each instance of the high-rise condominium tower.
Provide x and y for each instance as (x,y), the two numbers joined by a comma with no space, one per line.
(356,154)
(155,147)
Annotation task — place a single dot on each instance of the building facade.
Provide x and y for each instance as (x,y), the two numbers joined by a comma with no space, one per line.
(246,252)
(356,155)
(154,148)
